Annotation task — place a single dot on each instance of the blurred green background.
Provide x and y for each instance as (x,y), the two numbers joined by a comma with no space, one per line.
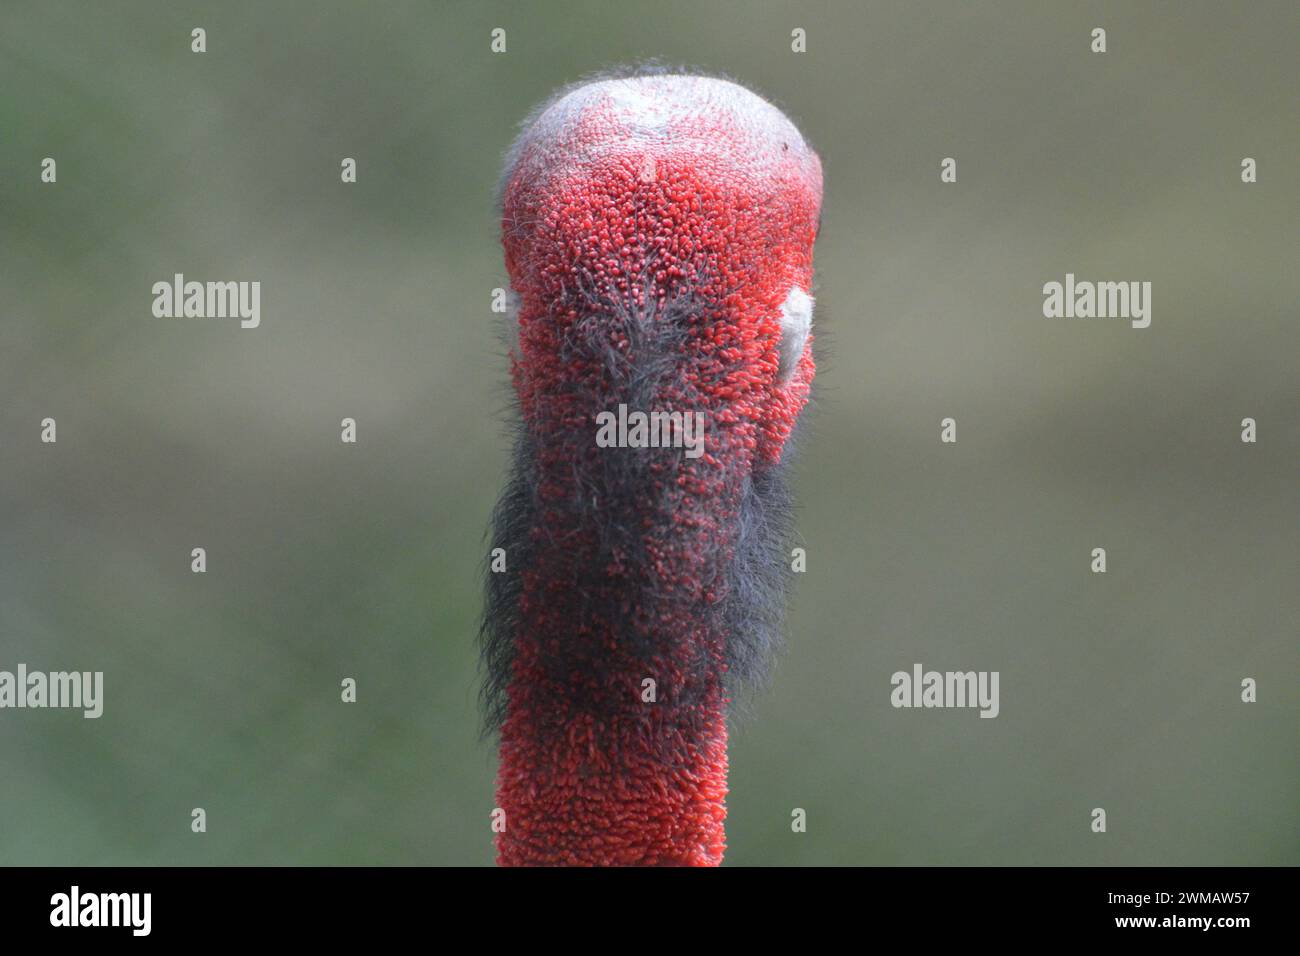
(328,560)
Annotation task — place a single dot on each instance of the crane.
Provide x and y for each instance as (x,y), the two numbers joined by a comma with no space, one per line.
(658,232)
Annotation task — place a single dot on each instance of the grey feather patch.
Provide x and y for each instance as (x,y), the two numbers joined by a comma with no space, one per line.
(796,322)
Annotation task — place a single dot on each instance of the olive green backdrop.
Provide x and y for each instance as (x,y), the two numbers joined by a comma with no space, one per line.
(328,560)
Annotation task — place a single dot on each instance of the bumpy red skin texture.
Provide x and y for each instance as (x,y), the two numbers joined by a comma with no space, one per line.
(724,203)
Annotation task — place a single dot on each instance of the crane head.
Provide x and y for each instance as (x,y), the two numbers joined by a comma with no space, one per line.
(675,196)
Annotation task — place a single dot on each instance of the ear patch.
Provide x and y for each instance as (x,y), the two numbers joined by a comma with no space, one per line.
(796,322)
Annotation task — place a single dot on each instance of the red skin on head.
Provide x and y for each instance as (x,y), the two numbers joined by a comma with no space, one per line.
(633,191)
